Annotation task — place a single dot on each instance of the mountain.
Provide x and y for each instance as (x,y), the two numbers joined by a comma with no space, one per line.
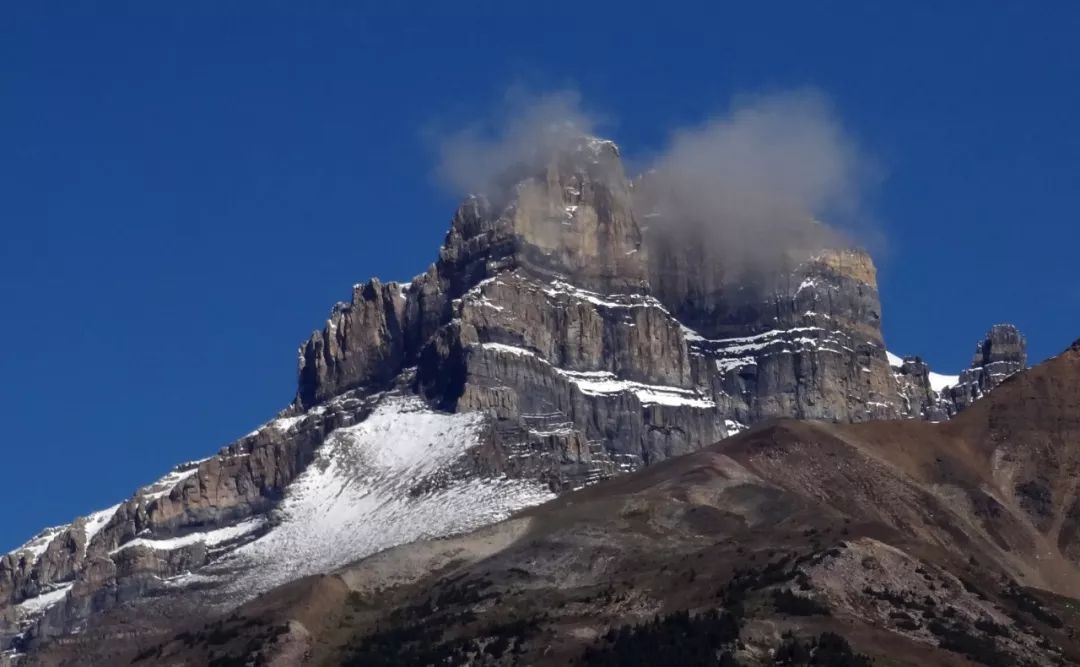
(557,341)
(896,542)
(934,396)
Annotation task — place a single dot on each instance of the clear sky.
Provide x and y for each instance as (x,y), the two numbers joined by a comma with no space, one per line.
(185,190)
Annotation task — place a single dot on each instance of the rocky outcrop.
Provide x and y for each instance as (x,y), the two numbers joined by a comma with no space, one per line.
(363,343)
(917,391)
(999,355)
(936,397)
(582,383)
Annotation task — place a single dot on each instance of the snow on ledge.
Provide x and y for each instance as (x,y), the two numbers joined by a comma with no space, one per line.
(734,427)
(563,288)
(166,484)
(601,383)
(40,603)
(209,538)
(743,343)
(40,542)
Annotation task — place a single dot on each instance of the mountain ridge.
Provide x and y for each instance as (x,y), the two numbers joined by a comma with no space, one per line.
(539,316)
(903,538)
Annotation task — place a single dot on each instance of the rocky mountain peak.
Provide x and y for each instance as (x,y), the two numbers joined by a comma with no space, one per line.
(1001,353)
(569,218)
(555,341)
(572,217)
(1003,344)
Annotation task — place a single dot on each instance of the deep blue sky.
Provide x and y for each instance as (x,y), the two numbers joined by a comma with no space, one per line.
(185,191)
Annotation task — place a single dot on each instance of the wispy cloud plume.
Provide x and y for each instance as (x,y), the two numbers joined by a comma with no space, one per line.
(527,128)
(755,182)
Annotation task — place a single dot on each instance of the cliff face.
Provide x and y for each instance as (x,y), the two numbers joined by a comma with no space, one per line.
(809,347)
(557,340)
(596,347)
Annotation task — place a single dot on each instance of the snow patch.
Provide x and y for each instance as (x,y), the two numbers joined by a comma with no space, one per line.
(96,521)
(386,481)
(734,427)
(563,288)
(209,538)
(188,578)
(600,383)
(40,603)
(283,424)
(690,335)
(40,542)
(729,364)
(730,354)
(940,382)
(509,349)
(166,484)
(756,341)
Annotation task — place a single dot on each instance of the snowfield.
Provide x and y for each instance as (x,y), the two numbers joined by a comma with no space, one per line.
(383,482)
(396,477)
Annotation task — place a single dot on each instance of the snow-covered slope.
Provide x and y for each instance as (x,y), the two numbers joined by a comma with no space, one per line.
(398,474)
(388,480)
